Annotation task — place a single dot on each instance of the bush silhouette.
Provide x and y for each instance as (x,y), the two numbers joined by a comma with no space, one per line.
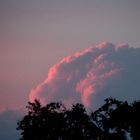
(112,121)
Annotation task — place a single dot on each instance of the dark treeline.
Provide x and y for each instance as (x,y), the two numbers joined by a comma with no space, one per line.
(115,120)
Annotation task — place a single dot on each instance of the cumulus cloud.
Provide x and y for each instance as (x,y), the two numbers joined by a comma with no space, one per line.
(90,76)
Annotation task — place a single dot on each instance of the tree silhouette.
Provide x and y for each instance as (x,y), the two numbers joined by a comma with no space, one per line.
(80,125)
(111,118)
(54,121)
(135,120)
(112,121)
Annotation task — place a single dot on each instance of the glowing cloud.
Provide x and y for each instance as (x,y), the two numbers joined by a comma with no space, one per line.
(92,75)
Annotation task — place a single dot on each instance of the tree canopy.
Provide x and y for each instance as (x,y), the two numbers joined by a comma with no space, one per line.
(115,120)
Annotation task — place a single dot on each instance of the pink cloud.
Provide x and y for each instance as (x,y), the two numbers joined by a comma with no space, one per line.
(89,76)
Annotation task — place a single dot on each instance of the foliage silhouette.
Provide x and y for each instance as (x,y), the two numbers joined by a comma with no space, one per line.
(112,121)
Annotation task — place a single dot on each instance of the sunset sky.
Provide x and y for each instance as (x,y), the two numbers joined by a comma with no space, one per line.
(36,34)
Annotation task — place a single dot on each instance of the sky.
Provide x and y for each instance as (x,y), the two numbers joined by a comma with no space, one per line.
(35,35)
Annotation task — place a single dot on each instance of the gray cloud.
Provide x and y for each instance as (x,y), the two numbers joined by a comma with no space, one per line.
(92,75)
(8,124)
